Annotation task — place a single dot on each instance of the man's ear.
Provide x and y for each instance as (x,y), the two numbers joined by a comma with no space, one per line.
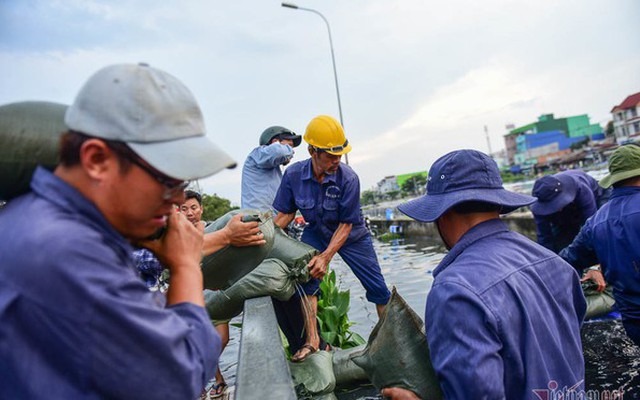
(97,158)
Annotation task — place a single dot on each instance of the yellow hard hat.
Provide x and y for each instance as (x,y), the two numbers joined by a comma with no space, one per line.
(326,134)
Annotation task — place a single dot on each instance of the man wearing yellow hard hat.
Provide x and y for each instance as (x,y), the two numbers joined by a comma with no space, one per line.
(327,193)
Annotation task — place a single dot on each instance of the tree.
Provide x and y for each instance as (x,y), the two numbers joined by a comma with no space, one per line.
(609,129)
(393,194)
(580,144)
(215,207)
(368,197)
(409,186)
(414,185)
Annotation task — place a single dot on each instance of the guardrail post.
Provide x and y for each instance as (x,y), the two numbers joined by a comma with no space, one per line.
(263,371)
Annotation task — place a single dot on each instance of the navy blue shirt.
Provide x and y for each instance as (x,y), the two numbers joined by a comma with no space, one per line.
(76,320)
(323,205)
(556,231)
(503,317)
(612,238)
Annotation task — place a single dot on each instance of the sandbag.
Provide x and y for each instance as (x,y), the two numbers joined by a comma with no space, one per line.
(294,253)
(315,373)
(599,304)
(397,353)
(270,278)
(345,370)
(29,135)
(225,267)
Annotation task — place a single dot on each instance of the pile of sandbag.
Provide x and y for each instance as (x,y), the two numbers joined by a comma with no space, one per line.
(396,355)
(599,304)
(29,135)
(241,273)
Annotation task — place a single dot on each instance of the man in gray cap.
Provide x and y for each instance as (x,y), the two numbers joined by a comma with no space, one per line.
(612,237)
(76,320)
(503,315)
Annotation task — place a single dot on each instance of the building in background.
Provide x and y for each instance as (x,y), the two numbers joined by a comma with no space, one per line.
(388,184)
(626,119)
(548,139)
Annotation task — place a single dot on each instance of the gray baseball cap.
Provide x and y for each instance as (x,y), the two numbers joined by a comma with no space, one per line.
(154,114)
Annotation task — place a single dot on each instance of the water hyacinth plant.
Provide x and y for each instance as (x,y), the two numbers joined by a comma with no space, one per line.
(333,306)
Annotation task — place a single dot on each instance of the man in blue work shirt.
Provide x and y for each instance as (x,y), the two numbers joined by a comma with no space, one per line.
(612,237)
(503,315)
(327,193)
(76,321)
(262,173)
(565,201)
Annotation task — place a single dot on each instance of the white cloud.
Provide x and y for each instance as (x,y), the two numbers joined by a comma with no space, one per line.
(417,78)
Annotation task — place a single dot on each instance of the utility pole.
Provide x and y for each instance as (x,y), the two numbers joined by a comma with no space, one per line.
(333,59)
(486,133)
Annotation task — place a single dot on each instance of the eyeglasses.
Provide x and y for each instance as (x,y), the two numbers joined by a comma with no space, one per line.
(172,186)
(333,149)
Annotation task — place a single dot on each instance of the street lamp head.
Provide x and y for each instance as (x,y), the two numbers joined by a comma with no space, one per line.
(290,5)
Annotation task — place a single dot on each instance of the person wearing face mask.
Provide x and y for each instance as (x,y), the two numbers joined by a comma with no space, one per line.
(503,315)
(262,170)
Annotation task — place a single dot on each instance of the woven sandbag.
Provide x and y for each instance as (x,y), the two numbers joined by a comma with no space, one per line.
(598,303)
(315,373)
(226,266)
(292,252)
(29,135)
(271,278)
(345,370)
(397,353)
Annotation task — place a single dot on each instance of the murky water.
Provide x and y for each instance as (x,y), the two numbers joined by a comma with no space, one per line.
(612,361)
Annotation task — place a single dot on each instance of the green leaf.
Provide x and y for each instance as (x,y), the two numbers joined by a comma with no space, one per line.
(333,306)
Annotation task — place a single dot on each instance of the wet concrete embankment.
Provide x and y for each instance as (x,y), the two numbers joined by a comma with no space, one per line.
(520,222)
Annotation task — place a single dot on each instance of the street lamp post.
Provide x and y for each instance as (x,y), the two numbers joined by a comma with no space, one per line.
(333,59)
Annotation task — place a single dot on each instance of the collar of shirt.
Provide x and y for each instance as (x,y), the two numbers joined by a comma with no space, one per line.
(55,190)
(624,191)
(307,172)
(474,234)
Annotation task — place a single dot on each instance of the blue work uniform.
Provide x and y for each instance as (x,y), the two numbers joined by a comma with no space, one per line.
(76,320)
(324,206)
(612,238)
(261,175)
(556,231)
(148,266)
(503,318)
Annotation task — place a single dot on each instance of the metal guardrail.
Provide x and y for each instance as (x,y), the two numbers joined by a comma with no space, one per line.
(263,372)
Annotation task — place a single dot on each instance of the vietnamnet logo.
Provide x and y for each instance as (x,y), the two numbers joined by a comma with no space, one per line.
(554,392)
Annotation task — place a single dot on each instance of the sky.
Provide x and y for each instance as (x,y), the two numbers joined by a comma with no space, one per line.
(417,78)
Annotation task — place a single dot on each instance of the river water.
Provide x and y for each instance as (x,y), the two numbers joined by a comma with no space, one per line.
(612,362)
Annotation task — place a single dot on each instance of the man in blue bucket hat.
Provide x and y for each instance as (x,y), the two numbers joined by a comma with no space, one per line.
(565,201)
(503,315)
(612,237)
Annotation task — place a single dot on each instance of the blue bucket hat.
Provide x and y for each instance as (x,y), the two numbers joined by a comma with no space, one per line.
(554,192)
(460,176)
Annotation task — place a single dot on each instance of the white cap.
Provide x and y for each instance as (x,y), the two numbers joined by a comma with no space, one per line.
(154,114)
